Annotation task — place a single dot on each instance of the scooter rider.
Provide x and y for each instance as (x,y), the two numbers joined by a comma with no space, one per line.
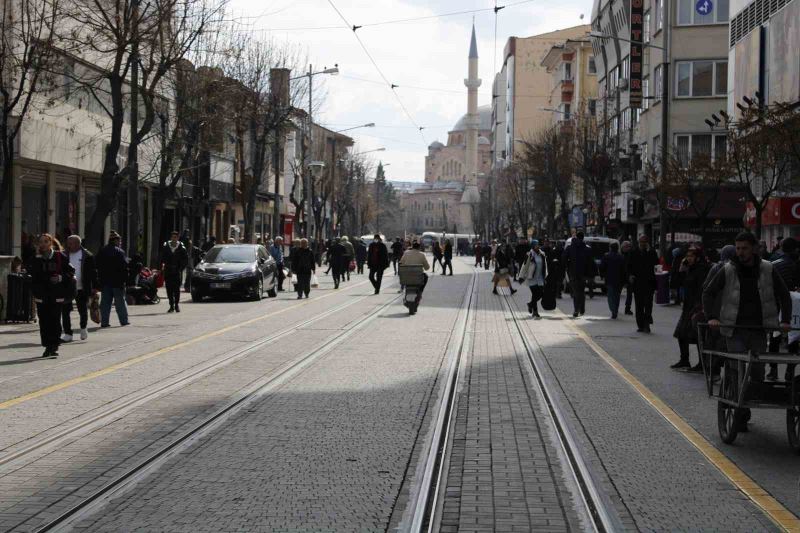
(415,256)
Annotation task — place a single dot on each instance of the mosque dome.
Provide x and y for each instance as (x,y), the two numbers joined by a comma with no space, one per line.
(435,145)
(485,115)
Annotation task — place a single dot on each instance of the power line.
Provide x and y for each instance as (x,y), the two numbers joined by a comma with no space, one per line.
(380,72)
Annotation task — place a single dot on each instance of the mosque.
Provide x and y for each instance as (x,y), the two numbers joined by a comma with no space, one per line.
(455,173)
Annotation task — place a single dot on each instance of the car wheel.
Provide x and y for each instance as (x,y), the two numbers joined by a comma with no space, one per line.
(258,289)
(196,296)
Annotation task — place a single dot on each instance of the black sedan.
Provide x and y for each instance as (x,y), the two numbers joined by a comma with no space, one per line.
(235,269)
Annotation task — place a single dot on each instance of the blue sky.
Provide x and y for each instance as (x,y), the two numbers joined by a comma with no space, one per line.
(427,59)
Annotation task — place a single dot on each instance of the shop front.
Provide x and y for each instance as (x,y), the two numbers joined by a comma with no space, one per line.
(780,218)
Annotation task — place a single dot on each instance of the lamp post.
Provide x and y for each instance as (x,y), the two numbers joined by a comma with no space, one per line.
(306,185)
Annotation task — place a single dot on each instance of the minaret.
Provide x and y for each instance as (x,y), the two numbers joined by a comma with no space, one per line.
(473,120)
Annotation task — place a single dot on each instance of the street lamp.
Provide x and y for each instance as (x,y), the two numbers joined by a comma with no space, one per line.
(600,35)
(370,151)
(310,75)
(369,125)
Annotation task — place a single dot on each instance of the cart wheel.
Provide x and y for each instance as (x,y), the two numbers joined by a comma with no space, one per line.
(793,429)
(728,422)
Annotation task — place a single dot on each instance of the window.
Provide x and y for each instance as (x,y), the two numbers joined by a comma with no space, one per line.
(659,19)
(592,65)
(565,111)
(645,93)
(626,67)
(567,71)
(644,153)
(659,82)
(689,12)
(646,36)
(592,107)
(702,78)
(700,144)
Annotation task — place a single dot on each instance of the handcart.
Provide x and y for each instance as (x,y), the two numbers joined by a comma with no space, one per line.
(737,381)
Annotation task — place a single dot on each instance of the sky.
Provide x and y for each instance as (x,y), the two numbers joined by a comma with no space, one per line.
(427,59)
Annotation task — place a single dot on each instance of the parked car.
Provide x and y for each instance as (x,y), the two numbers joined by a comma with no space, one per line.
(600,247)
(235,269)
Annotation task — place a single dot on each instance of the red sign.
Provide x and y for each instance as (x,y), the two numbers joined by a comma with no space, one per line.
(637,31)
(778,212)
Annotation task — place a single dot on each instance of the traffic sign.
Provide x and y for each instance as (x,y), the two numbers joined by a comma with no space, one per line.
(704,7)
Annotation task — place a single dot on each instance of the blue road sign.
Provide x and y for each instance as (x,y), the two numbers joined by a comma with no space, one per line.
(704,7)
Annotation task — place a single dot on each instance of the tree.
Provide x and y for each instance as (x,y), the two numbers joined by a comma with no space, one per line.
(669,192)
(594,162)
(26,61)
(130,46)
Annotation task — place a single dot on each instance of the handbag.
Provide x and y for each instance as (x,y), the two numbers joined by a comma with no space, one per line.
(294,279)
(314,281)
(94,308)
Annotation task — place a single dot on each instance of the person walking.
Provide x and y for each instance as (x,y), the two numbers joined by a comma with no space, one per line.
(336,258)
(377,262)
(437,257)
(209,244)
(112,271)
(642,276)
(502,271)
(52,285)
(304,264)
(486,254)
(613,270)
(476,250)
(173,261)
(276,251)
(577,258)
(85,271)
(626,254)
(694,271)
(448,257)
(349,256)
(534,271)
(787,266)
(397,253)
(361,256)
(520,255)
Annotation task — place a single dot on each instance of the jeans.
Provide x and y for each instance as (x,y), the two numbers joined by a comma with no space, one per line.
(117,294)
(360,267)
(744,340)
(375,277)
(173,285)
(81,301)
(578,284)
(447,263)
(536,295)
(644,307)
(613,293)
(49,323)
(338,275)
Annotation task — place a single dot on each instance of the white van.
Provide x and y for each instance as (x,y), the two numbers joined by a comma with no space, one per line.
(600,246)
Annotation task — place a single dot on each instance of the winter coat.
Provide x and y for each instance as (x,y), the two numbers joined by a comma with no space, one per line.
(613,269)
(303,261)
(174,261)
(641,265)
(88,271)
(528,270)
(112,266)
(361,252)
(693,279)
(789,270)
(448,250)
(377,256)
(578,259)
(44,284)
(349,251)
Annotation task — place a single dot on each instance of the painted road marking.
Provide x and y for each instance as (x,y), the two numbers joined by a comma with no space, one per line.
(130,362)
(784,518)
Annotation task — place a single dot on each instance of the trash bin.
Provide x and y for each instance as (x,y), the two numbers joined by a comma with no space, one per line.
(662,288)
(20,300)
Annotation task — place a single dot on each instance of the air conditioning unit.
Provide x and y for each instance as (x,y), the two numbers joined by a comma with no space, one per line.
(622,84)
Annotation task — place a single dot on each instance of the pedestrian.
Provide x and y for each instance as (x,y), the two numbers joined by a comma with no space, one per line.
(437,257)
(694,271)
(52,284)
(520,255)
(486,254)
(209,244)
(112,271)
(397,253)
(676,274)
(349,255)
(752,295)
(579,264)
(613,270)
(641,269)
(377,262)
(626,254)
(85,269)
(336,258)
(303,266)
(477,249)
(173,261)
(447,254)
(502,271)
(787,267)
(534,271)
(276,251)
(361,256)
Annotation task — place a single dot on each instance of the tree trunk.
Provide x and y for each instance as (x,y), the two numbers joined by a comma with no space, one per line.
(159,199)
(759,210)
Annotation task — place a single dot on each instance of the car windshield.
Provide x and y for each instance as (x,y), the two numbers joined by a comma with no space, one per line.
(231,254)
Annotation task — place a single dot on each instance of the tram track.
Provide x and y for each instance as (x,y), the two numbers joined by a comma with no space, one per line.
(243,398)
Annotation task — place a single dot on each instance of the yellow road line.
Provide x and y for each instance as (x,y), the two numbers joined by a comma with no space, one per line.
(144,357)
(784,518)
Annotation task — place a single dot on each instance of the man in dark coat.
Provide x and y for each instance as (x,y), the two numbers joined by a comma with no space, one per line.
(361,256)
(397,253)
(520,255)
(787,266)
(613,270)
(174,259)
(303,265)
(578,258)
(626,254)
(112,270)
(377,262)
(448,257)
(52,284)
(83,263)
(336,261)
(642,277)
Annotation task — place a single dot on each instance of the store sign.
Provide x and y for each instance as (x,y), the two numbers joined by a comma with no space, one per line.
(677,204)
(637,31)
(777,212)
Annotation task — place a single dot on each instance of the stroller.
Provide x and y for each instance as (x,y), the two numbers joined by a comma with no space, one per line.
(142,285)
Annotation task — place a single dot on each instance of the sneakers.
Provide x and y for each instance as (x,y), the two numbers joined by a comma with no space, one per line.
(575,314)
(697,369)
(84,334)
(49,353)
(66,338)
(680,365)
(171,309)
(537,316)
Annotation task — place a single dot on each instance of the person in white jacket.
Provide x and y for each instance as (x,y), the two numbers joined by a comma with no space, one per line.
(534,272)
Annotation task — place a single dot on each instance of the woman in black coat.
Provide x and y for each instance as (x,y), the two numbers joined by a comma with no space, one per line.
(694,270)
(503,258)
(303,265)
(53,286)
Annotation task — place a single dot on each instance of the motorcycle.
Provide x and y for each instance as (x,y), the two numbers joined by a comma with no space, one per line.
(412,278)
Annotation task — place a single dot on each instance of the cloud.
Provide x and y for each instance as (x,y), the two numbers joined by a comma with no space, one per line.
(430,54)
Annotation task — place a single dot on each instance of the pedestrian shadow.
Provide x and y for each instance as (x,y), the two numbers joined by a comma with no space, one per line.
(22,345)
(21,361)
(396,315)
(21,331)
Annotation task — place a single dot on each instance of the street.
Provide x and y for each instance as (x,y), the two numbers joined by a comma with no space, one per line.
(344,413)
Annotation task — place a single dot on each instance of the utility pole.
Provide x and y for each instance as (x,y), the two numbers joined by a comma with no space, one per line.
(133,152)
(665,96)
(307,168)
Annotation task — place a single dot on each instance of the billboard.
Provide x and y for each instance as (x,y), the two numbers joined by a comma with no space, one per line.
(637,30)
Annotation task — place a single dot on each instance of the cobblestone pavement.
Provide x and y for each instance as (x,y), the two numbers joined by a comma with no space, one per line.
(763,453)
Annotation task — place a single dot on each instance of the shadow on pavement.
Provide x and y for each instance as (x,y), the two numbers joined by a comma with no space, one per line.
(21,361)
